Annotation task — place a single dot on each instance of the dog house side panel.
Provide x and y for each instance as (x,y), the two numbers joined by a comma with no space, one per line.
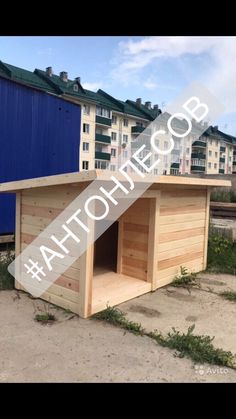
(38,207)
(183,231)
(133,251)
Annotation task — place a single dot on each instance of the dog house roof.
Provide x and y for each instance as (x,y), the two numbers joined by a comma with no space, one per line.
(90,175)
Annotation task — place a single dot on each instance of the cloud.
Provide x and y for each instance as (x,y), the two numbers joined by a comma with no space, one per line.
(134,57)
(150,85)
(93,86)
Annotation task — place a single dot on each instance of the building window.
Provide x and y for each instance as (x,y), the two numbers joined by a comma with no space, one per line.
(86,147)
(125,153)
(86,128)
(210,141)
(106,113)
(85,165)
(187,150)
(86,109)
(210,153)
(187,163)
(230,159)
(114,136)
(125,122)
(216,154)
(101,164)
(139,124)
(125,138)
(113,152)
(215,165)
(75,87)
(114,119)
(99,130)
(113,167)
(209,165)
(174,172)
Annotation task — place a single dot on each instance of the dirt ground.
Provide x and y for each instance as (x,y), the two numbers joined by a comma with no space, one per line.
(77,350)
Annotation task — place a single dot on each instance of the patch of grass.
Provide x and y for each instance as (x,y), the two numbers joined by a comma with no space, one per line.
(185,279)
(45,318)
(221,255)
(6,279)
(228,295)
(117,318)
(67,311)
(199,348)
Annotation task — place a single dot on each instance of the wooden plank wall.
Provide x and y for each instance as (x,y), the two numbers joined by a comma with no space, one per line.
(182,227)
(133,252)
(39,207)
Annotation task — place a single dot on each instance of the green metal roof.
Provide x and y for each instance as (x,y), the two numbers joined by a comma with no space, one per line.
(40,80)
(149,113)
(219,135)
(24,76)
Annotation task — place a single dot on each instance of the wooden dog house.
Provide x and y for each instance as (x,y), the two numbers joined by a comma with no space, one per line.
(166,228)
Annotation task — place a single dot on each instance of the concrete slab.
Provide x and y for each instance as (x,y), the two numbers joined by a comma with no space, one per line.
(77,350)
(175,307)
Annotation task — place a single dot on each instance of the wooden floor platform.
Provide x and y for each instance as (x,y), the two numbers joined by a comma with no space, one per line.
(110,288)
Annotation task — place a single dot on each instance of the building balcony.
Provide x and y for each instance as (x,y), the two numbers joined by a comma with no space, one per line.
(198,165)
(100,155)
(222,159)
(197,168)
(103,121)
(222,171)
(198,156)
(222,149)
(174,165)
(199,144)
(234,163)
(234,153)
(137,129)
(100,138)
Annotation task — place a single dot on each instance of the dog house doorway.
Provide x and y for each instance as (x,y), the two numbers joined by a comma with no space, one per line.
(120,259)
(105,251)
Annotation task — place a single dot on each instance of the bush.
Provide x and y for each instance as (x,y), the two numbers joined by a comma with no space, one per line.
(6,279)
(219,244)
(221,255)
(223,196)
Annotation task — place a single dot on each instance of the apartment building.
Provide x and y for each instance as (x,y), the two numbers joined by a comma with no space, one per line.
(214,152)
(110,127)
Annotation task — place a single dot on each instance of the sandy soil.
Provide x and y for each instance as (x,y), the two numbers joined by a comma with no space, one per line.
(77,350)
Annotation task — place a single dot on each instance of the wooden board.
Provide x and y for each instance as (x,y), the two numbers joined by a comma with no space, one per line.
(133,250)
(90,175)
(7,238)
(182,233)
(110,288)
(38,208)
